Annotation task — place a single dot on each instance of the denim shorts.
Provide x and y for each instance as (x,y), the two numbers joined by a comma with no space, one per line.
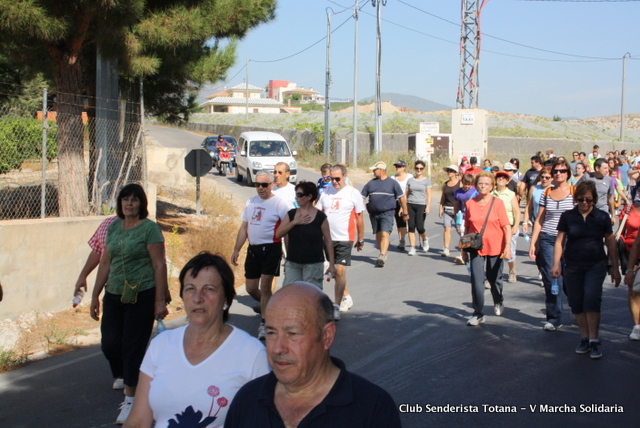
(382,222)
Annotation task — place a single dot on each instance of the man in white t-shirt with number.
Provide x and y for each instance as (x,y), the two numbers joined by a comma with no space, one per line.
(343,206)
(260,220)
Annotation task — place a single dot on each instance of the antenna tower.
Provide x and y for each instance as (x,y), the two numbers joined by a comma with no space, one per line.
(468,86)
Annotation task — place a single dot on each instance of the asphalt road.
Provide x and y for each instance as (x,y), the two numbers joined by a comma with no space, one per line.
(407,333)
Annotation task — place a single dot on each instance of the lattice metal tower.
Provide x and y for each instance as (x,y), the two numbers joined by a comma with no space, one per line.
(469,53)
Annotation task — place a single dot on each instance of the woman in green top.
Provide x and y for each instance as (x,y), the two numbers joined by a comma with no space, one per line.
(133,273)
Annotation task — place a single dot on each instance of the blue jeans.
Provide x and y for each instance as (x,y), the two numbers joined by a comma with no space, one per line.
(544,260)
(491,268)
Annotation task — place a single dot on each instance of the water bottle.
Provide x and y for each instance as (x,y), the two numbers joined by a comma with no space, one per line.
(459,218)
(468,267)
(526,237)
(555,288)
(77,297)
(160,327)
(328,277)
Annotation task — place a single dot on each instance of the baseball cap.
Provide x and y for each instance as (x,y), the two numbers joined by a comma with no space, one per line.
(509,167)
(464,158)
(378,165)
(452,167)
(400,163)
(504,174)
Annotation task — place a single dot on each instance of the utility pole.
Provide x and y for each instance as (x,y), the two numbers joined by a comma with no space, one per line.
(246,93)
(355,88)
(378,125)
(468,85)
(624,66)
(327,102)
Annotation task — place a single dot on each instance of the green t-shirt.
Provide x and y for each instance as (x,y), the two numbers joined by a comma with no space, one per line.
(129,256)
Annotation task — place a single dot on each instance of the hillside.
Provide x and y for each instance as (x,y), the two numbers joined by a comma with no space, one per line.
(411,102)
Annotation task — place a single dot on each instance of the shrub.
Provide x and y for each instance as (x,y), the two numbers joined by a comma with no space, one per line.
(21,139)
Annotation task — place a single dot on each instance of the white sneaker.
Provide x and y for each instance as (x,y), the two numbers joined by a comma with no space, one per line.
(635,333)
(459,260)
(425,244)
(118,383)
(125,409)
(412,251)
(262,333)
(445,252)
(336,312)
(346,303)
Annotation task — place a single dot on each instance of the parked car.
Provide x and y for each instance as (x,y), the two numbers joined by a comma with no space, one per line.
(262,151)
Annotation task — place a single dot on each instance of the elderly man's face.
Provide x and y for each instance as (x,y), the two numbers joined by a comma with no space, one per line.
(296,348)
(281,175)
(337,179)
(263,186)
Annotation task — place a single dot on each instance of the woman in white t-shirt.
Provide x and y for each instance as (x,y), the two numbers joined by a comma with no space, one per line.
(190,375)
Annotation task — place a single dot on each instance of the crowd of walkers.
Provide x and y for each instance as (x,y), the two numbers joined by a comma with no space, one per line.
(580,219)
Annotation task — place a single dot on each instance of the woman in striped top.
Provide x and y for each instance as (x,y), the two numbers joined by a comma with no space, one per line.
(553,203)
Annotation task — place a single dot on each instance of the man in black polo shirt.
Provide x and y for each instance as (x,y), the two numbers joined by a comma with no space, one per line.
(383,192)
(307,387)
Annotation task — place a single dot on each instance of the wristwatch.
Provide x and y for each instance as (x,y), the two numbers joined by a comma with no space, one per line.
(360,242)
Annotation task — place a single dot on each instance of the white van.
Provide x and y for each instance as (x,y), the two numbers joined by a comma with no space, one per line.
(259,150)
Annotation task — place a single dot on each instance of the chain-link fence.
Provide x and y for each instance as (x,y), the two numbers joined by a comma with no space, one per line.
(70,161)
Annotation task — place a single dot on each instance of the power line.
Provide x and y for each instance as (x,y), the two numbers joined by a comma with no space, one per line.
(305,49)
(514,43)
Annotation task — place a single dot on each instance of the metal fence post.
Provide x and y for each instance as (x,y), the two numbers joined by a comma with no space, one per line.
(43,190)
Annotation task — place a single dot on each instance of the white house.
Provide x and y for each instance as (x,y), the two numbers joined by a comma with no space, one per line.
(234,100)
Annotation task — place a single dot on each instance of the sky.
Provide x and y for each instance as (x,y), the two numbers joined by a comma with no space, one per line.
(541,57)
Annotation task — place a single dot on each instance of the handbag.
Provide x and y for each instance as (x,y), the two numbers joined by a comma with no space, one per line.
(473,241)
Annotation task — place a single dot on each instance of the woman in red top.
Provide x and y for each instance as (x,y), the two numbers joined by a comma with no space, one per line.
(496,239)
(629,259)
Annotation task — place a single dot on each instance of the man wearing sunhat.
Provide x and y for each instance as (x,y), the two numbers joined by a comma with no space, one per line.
(383,193)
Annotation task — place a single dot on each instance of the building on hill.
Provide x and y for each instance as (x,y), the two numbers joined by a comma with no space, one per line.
(234,100)
(280,90)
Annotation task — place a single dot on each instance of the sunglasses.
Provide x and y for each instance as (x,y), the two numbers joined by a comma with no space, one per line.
(559,171)
(301,195)
(335,179)
(419,169)
(263,185)
(587,200)
(545,177)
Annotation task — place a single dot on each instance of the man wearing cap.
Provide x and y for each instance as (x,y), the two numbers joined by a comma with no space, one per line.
(383,194)
(402,177)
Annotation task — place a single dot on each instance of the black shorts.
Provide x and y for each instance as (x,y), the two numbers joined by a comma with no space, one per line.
(263,259)
(400,221)
(342,252)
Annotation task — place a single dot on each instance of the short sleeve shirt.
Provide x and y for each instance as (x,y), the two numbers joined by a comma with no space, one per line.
(263,217)
(129,257)
(342,208)
(493,238)
(584,241)
(382,195)
(97,241)
(417,190)
(604,187)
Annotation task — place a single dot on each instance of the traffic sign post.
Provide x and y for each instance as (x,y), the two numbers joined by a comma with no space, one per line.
(198,163)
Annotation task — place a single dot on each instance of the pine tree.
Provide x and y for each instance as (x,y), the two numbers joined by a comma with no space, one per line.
(175,42)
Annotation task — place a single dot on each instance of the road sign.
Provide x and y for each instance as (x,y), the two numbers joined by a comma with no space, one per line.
(198,163)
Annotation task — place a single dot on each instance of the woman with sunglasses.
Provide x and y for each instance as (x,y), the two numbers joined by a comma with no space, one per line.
(309,237)
(553,202)
(418,195)
(581,231)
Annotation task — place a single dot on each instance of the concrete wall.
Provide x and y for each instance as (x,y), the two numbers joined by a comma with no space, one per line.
(40,261)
